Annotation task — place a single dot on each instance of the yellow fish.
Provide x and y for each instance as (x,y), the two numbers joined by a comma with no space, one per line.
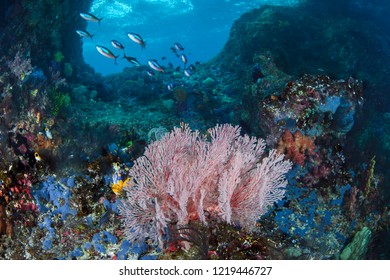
(117,188)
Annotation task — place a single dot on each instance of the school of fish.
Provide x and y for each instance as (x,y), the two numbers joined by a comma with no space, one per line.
(153,63)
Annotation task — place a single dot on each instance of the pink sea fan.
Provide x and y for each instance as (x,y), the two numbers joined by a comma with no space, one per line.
(185,174)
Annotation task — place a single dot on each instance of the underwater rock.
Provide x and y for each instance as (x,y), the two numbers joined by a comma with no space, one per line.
(156,133)
(93,94)
(169,104)
(80,93)
(302,42)
(68,69)
(208,82)
(316,105)
(294,252)
(357,248)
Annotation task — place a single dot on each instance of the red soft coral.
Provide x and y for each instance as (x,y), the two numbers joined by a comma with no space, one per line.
(296,147)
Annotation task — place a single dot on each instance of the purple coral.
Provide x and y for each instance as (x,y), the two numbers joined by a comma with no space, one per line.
(20,66)
(185,174)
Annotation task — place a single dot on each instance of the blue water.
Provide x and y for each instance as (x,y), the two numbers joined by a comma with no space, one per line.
(201,26)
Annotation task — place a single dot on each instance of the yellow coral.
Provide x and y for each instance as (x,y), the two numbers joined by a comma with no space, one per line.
(118,187)
(34,92)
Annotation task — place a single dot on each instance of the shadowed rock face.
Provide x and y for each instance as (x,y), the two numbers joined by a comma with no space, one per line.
(303,42)
(44,28)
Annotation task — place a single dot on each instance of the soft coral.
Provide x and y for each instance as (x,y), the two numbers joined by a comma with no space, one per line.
(296,147)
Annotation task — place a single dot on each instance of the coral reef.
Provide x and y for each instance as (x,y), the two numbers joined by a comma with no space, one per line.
(79,152)
(318,105)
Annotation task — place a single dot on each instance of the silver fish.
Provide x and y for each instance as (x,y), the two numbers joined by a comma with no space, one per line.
(150,73)
(170,86)
(117,45)
(187,72)
(106,52)
(178,46)
(184,58)
(84,33)
(137,38)
(155,66)
(132,60)
(90,17)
